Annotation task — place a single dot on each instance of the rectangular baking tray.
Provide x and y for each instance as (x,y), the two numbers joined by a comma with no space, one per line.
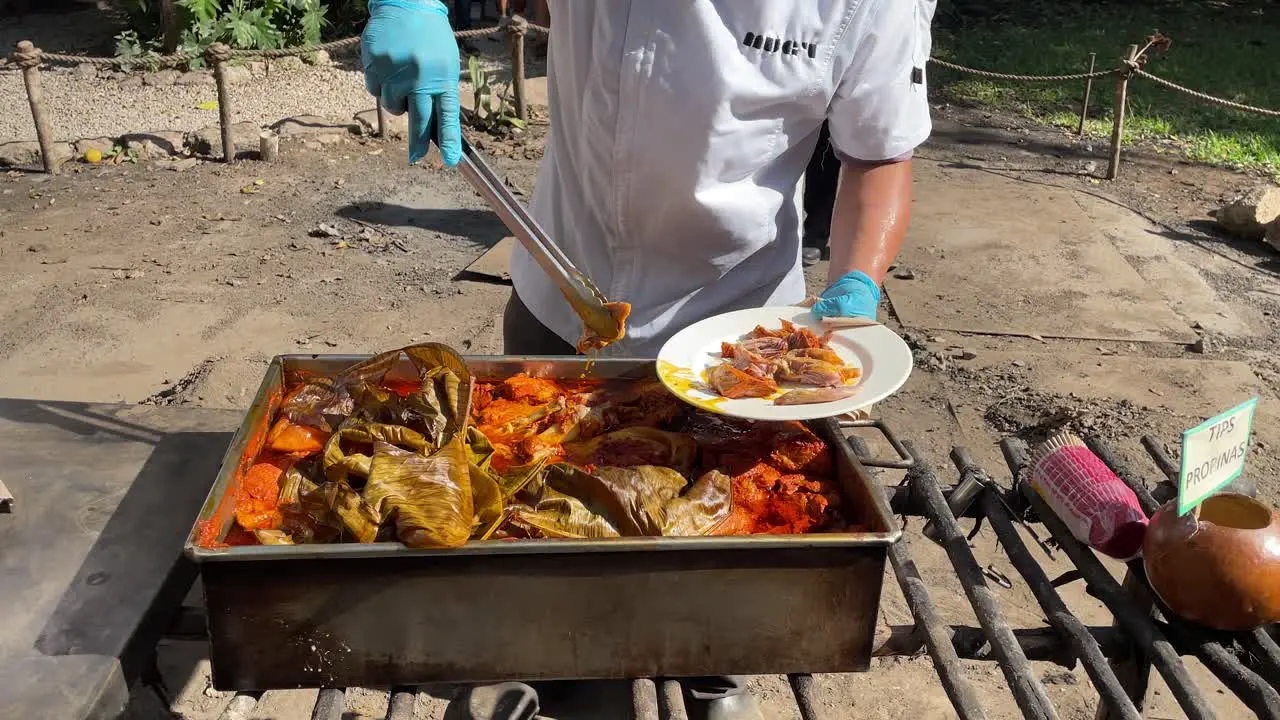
(382,614)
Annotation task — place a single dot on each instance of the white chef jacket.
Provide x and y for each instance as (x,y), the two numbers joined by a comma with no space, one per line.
(680,131)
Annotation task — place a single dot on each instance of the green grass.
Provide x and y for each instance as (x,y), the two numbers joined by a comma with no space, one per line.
(1226,48)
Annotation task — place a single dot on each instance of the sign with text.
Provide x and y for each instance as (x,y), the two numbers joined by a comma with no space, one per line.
(1213,454)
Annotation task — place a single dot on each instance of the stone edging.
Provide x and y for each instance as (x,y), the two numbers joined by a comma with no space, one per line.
(205,142)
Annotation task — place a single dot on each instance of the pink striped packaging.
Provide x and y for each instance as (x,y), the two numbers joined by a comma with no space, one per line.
(1098,508)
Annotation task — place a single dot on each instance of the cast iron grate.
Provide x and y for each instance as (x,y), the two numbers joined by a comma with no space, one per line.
(1118,659)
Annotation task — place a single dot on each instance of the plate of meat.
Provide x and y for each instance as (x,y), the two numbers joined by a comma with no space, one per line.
(782,363)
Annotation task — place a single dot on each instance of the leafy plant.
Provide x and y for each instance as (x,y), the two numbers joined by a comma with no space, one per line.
(118,154)
(130,47)
(246,24)
(493,111)
(245,27)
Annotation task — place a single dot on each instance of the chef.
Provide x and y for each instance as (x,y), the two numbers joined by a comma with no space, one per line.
(680,130)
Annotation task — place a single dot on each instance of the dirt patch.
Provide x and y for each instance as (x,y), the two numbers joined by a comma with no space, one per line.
(180,392)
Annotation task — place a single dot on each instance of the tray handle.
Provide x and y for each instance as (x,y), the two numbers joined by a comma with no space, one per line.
(904,461)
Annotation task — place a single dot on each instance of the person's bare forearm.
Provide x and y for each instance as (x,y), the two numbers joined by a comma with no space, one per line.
(872,210)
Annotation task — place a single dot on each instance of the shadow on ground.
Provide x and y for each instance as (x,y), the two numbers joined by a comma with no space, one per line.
(479,227)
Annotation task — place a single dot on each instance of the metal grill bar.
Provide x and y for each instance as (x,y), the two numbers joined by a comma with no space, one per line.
(1073,632)
(402,704)
(673,701)
(1026,687)
(644,699)
(1266,654)
(241,706)
(1136,622)
(1261,698)
(329,705)
(802,689)
(1038,644)
(1137,673)
(945,661)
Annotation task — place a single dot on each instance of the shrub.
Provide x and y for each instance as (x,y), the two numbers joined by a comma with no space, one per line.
(247,24)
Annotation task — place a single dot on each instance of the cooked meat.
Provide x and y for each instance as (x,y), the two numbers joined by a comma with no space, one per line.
(791,354)
(733,383)
(807,371)
(809,396)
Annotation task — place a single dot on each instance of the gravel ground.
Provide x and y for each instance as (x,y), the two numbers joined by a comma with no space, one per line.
(80,108)
(82,104)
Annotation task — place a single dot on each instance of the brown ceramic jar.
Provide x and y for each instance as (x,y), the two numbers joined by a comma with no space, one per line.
(1223,570)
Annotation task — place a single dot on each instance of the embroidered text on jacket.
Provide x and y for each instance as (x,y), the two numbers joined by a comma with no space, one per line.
(784,46)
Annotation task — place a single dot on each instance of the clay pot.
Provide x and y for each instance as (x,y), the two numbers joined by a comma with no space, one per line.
(1222,571)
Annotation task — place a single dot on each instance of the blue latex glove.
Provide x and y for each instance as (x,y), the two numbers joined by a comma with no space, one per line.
(411,62)
(853,295)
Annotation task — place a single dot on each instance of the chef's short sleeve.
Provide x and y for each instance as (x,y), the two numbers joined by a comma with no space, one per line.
(880,110)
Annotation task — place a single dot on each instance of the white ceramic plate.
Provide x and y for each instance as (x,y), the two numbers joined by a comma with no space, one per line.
(883,357)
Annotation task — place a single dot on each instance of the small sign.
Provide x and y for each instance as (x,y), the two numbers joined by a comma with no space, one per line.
(1213,454)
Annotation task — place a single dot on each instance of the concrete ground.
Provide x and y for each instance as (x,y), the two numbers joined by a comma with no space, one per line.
(1035,296)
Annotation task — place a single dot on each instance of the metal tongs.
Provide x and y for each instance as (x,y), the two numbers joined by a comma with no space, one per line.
(577,288)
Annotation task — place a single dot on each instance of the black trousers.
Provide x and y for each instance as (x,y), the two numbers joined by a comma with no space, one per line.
(821,178)
(461,15)
(524,334)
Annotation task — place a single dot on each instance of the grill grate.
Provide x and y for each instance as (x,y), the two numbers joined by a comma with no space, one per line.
(1118,659)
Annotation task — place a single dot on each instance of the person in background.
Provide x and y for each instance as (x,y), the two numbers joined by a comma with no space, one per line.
(537,10)
(680,130)
(821,179)
(461,15)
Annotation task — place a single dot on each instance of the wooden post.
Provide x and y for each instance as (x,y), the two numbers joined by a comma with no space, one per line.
(217,56)
(268,146)
(1121,100)
(517,30)
(27,57)
(170,29)
(1088,90)
(382,120)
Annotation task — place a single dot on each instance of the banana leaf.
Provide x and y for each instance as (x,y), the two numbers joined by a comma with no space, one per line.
(291,485)
(340,462)
(523,479)
(359,517)
(636,446)
(556,515)
(479,449)
(634,499)
(306,515)
(642,500)
(403,443)
(702,508)
(437,412)
(429,496)
(323,513)
(487,499)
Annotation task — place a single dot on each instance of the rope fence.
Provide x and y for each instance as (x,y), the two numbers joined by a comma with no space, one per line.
(1131,66)
(1024,78)
(1205,96)
(218,56)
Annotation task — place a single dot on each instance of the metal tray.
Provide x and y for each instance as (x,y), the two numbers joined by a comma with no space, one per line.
(383,614)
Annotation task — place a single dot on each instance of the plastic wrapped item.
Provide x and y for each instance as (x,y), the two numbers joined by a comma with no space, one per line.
(1098,508)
